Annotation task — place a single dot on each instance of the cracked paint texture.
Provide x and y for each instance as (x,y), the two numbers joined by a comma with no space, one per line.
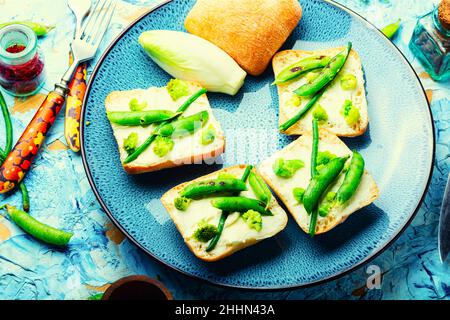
(99,254)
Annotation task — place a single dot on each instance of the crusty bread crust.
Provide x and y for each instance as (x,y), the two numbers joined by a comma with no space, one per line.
(250,31)
(332,221)
(211,256)
(285,58)
(132,168)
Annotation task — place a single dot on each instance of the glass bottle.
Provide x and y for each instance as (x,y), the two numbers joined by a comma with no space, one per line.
(21,62)
(430,41)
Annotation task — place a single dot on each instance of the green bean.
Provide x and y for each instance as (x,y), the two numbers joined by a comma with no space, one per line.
(225,214)
(240,204)
(152,137)
(326,75)
(215,240)
(260,188)
(391,29)
(8,125)
(139,118)
(285,126)
(315,147)
(314,154)
(321,181)
(184,126)
(296,69)
(39,29)
(37,229)
(25,197)
(352,179)
(208,187)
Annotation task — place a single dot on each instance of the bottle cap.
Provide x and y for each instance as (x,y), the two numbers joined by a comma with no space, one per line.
(444,14)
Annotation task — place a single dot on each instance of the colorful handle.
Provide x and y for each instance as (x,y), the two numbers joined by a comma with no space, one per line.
(77,90)
(19,160)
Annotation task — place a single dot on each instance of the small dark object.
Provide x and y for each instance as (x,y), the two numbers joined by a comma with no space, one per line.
(137,288)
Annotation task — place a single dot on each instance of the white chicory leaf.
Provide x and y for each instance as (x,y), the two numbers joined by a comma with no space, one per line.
(191,58)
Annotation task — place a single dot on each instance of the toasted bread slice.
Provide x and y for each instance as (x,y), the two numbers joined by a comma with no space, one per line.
(332,100)
(366,193)
(236,234)
(186,150)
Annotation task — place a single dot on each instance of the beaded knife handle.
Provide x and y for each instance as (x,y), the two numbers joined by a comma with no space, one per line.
(19,160)
(77,90)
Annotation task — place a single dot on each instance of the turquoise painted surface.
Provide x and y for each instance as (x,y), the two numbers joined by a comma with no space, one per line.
(99,254)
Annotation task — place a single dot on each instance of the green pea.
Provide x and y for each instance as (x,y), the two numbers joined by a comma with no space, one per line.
(240,204)
(208,135)
(260,188)
(324,209)
(182,203)
(296,69)
(184,126)
(352,179)
(130,143)
(37,229)
(208,187)
(162,146)
(139,118)
(320,114)
(287,168)
(348,82)
(327,74)
(350,113)
(298,194)
(321,181)
(136,106)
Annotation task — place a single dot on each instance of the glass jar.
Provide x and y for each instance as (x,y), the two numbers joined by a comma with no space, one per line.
(430,42)
(21,62)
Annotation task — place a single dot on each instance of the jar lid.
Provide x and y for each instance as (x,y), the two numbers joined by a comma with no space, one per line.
(444,14)
(17,34)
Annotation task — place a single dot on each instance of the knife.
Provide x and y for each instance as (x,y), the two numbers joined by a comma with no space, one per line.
(444,224)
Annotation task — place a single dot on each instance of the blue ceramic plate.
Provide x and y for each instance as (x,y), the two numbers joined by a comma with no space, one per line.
(398,148)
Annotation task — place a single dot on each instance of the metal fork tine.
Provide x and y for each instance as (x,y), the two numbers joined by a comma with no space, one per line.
(104,23)
(92,29)
(89,19)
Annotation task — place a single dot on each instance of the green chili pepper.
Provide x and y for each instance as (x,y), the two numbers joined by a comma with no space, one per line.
(239,204)
(225,214)
(260,188)
(285,126)
(208,187)
(300,67)
(321,181)
(152,137)
(391,29)
(352,179)
(39,29)
(326,75)
(184,126)
(37,229)
(139,118)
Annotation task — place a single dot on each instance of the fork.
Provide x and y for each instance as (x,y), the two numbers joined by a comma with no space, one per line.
(84,48)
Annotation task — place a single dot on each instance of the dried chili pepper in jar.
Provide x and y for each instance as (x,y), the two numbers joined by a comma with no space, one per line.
(21,62)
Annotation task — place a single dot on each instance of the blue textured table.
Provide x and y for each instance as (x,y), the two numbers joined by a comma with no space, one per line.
(99,254)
